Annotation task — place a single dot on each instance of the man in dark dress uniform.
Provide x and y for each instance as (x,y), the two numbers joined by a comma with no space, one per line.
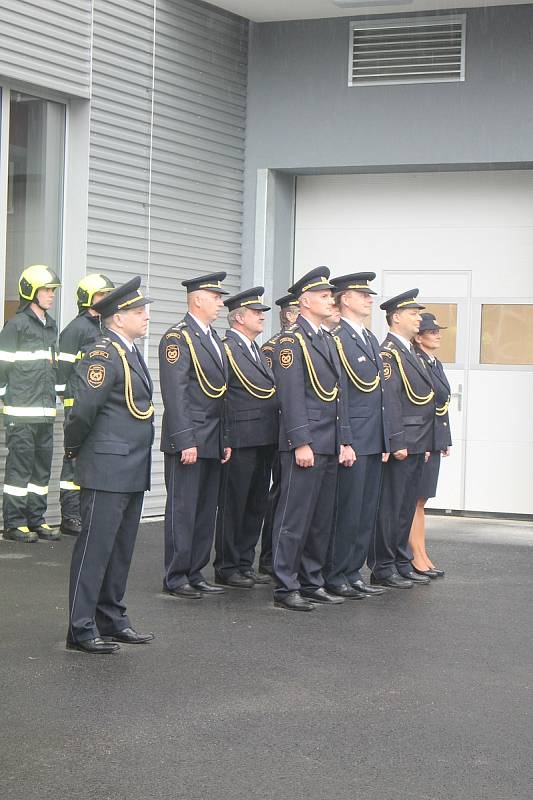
(289,308)
(74,340)
(314,439)
(194,374)
(109,432)
(410,397)
(252,409)
(358,488)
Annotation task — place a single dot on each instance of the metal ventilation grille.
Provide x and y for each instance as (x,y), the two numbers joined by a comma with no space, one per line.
(424,50)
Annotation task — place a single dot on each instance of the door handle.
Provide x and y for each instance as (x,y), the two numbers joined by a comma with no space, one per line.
(459,395)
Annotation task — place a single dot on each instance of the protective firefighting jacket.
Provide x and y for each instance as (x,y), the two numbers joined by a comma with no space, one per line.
(73,343)
(28,367)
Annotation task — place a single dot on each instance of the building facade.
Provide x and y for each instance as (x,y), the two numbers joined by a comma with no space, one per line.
(170,137)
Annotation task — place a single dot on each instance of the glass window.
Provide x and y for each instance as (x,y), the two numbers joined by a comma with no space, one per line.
(446,314)
(35,189)
(506,334)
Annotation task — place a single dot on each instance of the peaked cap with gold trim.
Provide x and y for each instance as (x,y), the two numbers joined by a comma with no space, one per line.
(401,302)
(123,298)
(357,281)
(288,301)
(250,298)
(316,280)
(211,282)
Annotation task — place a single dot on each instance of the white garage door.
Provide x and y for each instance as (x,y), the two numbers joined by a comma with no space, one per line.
(466,240)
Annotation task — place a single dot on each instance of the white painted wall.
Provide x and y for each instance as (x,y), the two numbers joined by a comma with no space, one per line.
(476,222)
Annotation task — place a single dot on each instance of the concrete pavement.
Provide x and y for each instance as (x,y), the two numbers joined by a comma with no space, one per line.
(421,694)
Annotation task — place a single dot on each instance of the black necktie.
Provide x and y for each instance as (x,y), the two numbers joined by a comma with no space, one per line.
(322,344)
(412,350)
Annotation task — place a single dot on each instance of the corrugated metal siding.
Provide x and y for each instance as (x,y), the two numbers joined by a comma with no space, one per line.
(197,166)
(197,161)
(194,153)
(47,44)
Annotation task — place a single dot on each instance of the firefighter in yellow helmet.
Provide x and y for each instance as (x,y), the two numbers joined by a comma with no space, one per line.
(74,341)
(28,388)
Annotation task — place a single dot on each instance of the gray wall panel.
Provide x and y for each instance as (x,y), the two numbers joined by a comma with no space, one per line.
(47,44)
(302,115)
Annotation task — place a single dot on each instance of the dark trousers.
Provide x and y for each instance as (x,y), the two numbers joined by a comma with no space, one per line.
(265,558)
(395,515)
(101,561)
(27,473)
(358,490)
(241,507)
(69,491)
(302,523)
(190,513)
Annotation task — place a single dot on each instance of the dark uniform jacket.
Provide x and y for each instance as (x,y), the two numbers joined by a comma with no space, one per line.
(268,348)
(192,418)
(112,447)
(252,415)
(74,340)
(307,418)
(28,368)
(411,422)
(366,410)
(442,433)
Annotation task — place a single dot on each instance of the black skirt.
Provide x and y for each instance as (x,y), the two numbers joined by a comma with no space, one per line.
(430,476)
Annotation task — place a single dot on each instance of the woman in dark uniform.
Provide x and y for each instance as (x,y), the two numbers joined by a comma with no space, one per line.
(426,343)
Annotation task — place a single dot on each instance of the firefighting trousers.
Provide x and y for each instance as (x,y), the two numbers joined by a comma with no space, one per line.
(69,491)
(27,473)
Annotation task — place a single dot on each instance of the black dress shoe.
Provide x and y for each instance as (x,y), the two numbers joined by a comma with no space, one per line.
(128,636)
(207,588)
(365,590)
(186,590)
(321,596)
(70,527)
(93,646)
(439,573)
(392,582)
(236,580)
(293,602)
(265,569)
(345,590)
(429,573)
(251,573)
(416,578)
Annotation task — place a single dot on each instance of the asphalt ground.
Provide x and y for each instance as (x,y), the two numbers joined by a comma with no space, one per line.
(421,694)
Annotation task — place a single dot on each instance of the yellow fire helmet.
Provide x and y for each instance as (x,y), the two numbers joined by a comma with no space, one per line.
(92,284)
(37,277)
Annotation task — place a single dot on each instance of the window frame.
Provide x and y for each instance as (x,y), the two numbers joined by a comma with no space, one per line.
(73,243)
(475,353)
